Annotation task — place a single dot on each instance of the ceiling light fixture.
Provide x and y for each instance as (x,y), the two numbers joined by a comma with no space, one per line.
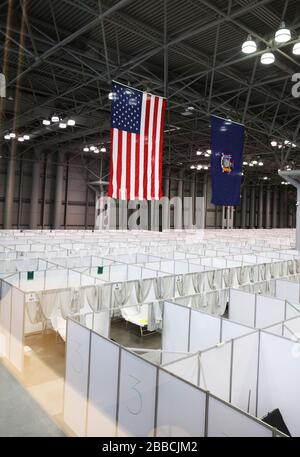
(12,135)
(96,151)
(249,46)
(267,58)
(273,143)
(296,49)
(199,153)
(245,163)
(62,125)
(103,149)
(260,164)
(192,167)
(71,122)
(7,136)
(55,118)
(26,137)
(86,149)
(46,122)
(283,35)
(92,148)
(21,139)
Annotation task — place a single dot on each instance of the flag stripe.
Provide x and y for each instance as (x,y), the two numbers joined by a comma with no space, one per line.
(150,147)
(131,166)
(141,156)
(137,167)
(111,166)
(115,159)
(162,125)
(119,164)
(155,145)
(146,145)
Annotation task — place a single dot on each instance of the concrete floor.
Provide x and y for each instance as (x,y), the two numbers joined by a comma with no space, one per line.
(20,414)
(129,335)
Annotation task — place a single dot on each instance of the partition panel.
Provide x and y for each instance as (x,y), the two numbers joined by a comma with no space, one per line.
(279,375)
(269,310)
(287,290)
(16,352)
(136,412)
(204,331)
(180,408)
(103,387)
(187,368)
(175,335)
(233,330)
(76,377)
(215,370)
(242,307)
(5,316)
(244,372)
(225,421)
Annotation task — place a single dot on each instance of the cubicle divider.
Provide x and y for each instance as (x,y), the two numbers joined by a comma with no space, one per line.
(111,391)
(259,311)
(190,330)
(12,321)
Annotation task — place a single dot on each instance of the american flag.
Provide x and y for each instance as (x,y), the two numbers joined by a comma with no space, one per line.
(137,128)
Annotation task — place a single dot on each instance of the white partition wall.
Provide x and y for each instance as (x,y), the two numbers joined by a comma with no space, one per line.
(76,377)
(181,408)
(103,387)
(230,422)
(288,290)
(215,370)
(279,374)
(205,331)
(242,307)
(269,310)
(5,316)
(244,372)
(16,351)
(176,322)
(136,412)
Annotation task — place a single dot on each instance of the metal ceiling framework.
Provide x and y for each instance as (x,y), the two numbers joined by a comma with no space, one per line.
(187,50)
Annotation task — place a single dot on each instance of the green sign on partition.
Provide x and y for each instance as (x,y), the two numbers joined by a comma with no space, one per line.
(100,270)
(30,275)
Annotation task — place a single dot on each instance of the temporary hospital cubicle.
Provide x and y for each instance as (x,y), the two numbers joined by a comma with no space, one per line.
(29,300)
(112,391)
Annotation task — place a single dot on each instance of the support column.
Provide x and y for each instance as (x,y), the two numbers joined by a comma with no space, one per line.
(178,223)
(275,207)
(165,204)
(244,208)
(35,192)
(268,208)
(59,187)
(10,188)
(193,196)
(252,208)
(298,219)
(261,207)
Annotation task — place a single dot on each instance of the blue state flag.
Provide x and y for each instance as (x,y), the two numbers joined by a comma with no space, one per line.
(227,144)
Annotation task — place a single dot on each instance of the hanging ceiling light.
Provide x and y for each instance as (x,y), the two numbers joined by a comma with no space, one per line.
(62,125)
(26,137)
(96,151)
(7,136)
(249,46)
(199,167)
(46,122)
(296,49)
(260,164)
(267,58)
(192,167)
(199,153)
(208,151)
(92,148)
(254,162)
(205,167)
(12,135)
(283,35)
(103,149)
(21,139)
(86,149)
(251,164)
(245,163)
(273,143)
(71,122)
(55,118)
(265,178)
